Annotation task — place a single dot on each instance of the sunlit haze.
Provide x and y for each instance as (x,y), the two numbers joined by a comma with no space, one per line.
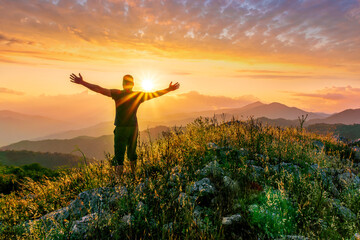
(223,53)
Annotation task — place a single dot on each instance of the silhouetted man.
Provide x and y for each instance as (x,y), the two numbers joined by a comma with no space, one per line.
(126,125)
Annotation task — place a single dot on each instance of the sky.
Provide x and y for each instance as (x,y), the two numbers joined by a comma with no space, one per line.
(224,53)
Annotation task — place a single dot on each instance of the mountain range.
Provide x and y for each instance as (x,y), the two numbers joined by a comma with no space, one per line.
(91,147)
(15,127)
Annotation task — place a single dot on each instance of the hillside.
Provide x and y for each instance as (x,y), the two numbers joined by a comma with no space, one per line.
(238,180)
(15,126)
(48,160)
(105,128)
(351,132)
(349,116)
(92,147)
(273,110)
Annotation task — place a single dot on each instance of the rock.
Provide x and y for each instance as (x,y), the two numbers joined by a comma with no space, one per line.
(197,212)
(344,212)
(126,219)
(81,227)
(289,167)
(292,237)
(252,162)
(259,156)
(318,145)
(213,146)
(314,167)
(140,206)
(212,168)
(243,152)
(203,192)
(99,201)
(140,188)
(203,186)
(257,171)
(233,219)
(348,179)
(168,227)
(332,188)
(229,183)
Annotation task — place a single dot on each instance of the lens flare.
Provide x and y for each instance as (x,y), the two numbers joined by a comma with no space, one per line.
(147,85)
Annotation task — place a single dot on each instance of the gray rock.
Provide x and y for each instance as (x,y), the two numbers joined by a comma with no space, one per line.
(314,167)
(81,227)
(197,212)
(332,188)
(259,156)
(243,152)
(252,162)
(213,146)
(228,182)
(203,186)
(126,219)
(348,179)
(140,188)
(292,237)
(318,144)
(140,206)
(212,168)
(233,219)
(168,227)
(344,212)
(289,167)
(99,201)
(257,171)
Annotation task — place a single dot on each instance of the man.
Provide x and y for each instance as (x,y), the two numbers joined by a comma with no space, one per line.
(127,103)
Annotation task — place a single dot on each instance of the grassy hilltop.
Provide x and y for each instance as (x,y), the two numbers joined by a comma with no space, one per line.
(235,180)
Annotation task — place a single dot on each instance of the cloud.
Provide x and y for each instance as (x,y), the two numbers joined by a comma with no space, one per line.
(261,71)
(10,91)
(273,76)
(181,73)
(10,40)
(320,31)
(328,99)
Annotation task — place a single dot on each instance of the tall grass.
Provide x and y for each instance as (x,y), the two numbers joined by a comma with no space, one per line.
(273,199)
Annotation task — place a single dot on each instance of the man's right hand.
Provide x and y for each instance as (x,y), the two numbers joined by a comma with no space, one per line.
(76,79)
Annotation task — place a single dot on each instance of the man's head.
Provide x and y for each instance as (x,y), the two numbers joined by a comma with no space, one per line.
(128,82)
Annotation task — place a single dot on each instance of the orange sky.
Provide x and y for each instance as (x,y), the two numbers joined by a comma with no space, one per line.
(224,53)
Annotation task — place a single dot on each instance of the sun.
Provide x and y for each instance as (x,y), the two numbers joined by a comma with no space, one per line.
(147,84)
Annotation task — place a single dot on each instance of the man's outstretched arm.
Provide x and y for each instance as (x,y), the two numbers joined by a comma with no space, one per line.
(93,87)
(172,87)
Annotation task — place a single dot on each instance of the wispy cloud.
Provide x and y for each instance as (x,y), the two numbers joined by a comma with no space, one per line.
(9,40)
(320,31)
(329,99)
(181,73)
(273,76)
(10,91)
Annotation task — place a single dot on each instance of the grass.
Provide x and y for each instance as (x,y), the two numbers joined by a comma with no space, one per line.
(275,198)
